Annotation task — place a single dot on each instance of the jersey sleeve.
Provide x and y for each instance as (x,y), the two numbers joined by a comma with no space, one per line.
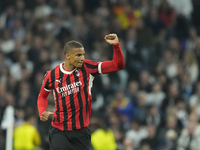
(114,65)
(46,82)
(93,67)
(44,92)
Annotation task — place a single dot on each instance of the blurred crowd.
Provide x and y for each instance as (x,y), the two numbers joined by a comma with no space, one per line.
(153,104)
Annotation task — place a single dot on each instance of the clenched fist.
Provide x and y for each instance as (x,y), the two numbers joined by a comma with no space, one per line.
(112,39)
(45,115)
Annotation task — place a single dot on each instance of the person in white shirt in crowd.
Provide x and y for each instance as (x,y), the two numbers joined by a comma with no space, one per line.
(136,133)
(194,100)
(190,135)
(156,96)
(7,44)
(191,66)
(182,7)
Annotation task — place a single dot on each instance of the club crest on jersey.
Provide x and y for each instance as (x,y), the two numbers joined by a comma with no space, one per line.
(77,73)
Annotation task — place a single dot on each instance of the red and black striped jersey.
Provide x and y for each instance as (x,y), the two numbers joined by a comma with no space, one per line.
(72,94)
(72,91)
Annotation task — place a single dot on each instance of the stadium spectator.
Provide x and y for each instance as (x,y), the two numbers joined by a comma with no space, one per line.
(123,106)
(152,139)
(103,138)
(137,133)
(189,138)
(26,136)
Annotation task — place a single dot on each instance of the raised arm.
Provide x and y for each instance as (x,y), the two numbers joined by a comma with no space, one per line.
(118,60)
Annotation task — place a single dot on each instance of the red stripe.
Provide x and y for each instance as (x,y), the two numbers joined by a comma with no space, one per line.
(89,101)
(89,98)
(84,113)
(56,123)
(69,111)
(59,100)
(55,116)
(69,121)
(51,86)
(76,103)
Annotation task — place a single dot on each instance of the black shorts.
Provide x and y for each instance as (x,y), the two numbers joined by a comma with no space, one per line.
(69,140)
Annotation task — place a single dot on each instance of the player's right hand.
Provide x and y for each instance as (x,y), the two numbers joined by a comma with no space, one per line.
(45,115)
(112,39)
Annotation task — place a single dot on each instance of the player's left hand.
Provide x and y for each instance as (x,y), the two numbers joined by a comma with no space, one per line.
(112,39)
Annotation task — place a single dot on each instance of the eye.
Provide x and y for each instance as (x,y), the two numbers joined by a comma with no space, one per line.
(78,55)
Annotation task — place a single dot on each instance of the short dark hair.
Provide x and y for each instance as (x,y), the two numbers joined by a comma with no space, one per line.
(70,45)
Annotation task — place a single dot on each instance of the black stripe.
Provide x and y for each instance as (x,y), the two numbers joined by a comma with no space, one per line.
(80,101)
(73,109)
(47,84)
(94,74)
(91,66)
(85,88)
(56,94)
(60,85)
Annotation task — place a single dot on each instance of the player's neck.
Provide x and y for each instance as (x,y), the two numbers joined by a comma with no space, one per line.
(68,67)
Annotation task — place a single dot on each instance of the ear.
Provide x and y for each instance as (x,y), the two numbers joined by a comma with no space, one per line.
(67,56)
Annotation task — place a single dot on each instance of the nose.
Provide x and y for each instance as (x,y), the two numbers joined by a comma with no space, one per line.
(82,58)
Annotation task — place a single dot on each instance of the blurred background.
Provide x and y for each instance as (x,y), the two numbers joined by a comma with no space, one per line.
(153,104)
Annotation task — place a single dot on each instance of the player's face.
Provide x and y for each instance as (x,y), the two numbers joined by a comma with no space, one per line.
(76,57)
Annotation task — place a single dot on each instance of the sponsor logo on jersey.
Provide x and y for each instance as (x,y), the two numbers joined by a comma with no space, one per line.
(69,89)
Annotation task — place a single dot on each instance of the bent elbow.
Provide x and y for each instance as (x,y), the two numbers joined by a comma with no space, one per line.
(121,65)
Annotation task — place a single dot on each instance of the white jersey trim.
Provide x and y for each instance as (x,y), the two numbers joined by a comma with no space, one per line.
(99,68)
(47,90)
(64,71)
(91,79)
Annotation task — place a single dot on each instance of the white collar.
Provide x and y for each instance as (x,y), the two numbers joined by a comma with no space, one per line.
(65,71)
